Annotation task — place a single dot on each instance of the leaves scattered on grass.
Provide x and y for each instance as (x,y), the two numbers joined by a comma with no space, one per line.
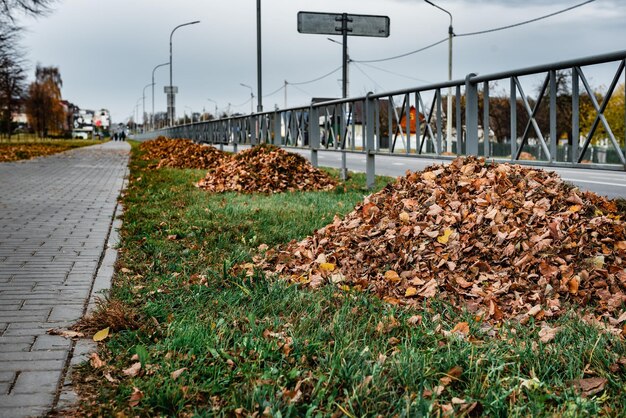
(266,169)
(503,241)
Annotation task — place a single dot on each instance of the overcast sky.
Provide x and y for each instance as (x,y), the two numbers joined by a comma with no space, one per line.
(106,49)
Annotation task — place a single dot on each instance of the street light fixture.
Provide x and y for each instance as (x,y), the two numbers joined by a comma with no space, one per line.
(251,97)
(143,115)
(152,115)
(449,107)
(170,90)
(137,114)
(190,111)
(213,101)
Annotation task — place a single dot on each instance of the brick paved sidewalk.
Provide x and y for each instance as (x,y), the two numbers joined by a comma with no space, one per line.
(55,217)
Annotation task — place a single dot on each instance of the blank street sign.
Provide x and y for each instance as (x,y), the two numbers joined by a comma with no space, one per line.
(330,24)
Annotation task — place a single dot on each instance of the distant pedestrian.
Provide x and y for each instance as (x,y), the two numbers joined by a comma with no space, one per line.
(122,136)
(115,136)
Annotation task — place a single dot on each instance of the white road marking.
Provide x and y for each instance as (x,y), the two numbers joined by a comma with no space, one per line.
(593,182)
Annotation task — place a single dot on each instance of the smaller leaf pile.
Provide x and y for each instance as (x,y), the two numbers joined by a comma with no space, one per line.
(266,169)
(16,152)
(182,153)
(504,241)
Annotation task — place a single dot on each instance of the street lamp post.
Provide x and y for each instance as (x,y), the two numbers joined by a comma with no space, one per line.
(259,107)
(251,97)
(213,101)
(171,91)
(137,114)
(190,111)
(152,115)
(143,98)
(449,107)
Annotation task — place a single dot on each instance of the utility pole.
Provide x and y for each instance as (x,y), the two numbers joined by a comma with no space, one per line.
(259,107)
(449,104)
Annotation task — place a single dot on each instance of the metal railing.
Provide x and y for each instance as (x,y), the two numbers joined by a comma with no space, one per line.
(554,128)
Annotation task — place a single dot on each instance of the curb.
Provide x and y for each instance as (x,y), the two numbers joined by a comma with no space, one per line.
(82,348)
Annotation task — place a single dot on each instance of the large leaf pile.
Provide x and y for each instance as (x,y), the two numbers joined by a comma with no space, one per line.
(182,153)
(266,169)
(500,240)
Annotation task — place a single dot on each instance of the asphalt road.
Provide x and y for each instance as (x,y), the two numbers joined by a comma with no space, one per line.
(604,182)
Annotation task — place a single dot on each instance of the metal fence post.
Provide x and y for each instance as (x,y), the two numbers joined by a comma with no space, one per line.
(370,151)
(486,139)
(277,122)
(513,105)
(471,115)
(553,133)
(314,133)
(459,124)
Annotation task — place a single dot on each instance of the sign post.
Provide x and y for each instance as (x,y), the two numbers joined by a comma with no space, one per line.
(343,24)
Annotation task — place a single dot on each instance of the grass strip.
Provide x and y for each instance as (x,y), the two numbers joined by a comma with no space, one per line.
(212,343)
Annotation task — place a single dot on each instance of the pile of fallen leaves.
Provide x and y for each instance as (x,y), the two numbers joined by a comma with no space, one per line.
(266,169)
(503,241)
(182,153)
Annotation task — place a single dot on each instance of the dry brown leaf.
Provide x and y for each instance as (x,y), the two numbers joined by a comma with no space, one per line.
(174,375)
(589,387)
(66,333)
(453,374)
(95,361)
(547,334)
(135,397)
(132,370)
(429,290)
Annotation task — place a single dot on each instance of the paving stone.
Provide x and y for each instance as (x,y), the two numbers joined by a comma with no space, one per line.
(7,376)
(25,401)
(33,382)
(51,342)
(13,347)
(68,313)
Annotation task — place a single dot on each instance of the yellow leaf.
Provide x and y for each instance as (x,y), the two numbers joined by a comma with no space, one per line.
(461,328)
(445,237)
(327,266)
(392,276)
(410,291)
(575,208)
(404,217)
(101,335)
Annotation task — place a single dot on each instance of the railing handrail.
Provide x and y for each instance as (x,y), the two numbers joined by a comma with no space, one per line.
(559,65)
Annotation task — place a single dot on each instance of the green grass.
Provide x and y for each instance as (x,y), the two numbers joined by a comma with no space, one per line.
(258,345)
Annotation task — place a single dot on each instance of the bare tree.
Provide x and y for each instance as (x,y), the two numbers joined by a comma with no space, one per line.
(9,8)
